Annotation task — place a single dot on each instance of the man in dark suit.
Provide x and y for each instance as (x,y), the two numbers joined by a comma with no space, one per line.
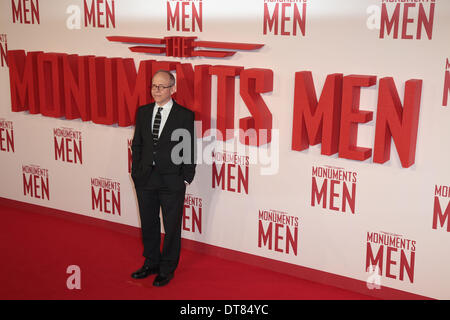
(163,165)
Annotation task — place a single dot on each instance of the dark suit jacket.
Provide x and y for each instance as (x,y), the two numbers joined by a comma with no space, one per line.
(144,154)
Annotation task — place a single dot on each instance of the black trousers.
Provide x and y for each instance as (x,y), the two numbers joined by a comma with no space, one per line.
(165,192)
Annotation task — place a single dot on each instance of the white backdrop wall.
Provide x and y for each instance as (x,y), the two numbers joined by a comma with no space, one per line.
(271,203)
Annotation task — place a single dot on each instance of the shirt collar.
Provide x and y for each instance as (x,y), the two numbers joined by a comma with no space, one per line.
(167,106)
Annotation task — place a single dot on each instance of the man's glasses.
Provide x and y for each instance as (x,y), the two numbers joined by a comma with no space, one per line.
(160,87)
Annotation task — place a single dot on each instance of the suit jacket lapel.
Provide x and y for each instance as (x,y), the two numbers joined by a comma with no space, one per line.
(148,120)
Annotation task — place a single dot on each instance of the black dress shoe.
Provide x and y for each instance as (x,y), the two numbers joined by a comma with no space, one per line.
(162,280)
(144,272)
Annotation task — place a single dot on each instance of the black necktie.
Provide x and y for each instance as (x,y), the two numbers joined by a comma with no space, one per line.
(156,125)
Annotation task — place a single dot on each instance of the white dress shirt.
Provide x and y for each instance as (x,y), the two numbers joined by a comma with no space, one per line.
(164,114)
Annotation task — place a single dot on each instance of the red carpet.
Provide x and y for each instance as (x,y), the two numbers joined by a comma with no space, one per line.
(36,250)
